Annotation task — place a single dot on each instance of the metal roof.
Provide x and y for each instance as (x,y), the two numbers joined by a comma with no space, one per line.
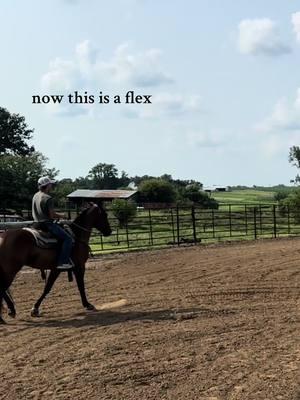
(101,194)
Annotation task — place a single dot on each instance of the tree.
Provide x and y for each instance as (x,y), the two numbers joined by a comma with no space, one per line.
(124,180)
(156,191)
(294,159)
(103,176)
(124,211)
(291,203)
(62,189)
(281,195)
(18,179)
(106,176)
(194,194)
(14,134)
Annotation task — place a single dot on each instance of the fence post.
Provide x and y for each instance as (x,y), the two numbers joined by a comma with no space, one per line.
(173,226)
(194,224)
(150,226)
(255,227)
(178,227)
(274,221)
(260,219)
(246,220)
(127,236)
(213,222)
(289,220)
(230,222)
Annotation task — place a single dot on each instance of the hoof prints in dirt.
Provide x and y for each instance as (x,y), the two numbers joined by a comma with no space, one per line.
(196,326)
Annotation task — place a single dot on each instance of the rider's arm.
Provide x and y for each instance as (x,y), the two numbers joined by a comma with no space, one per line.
(52,213)
(55,215)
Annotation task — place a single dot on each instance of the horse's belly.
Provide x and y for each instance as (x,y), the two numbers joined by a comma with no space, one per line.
(43,258)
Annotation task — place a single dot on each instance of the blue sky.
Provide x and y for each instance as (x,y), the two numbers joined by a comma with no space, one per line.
(223,75)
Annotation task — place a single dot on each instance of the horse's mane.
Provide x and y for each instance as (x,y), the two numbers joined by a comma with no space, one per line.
(82,214)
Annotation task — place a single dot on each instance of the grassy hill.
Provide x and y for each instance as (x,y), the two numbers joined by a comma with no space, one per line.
(245,196)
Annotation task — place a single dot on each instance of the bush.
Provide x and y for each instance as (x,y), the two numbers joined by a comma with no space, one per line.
(198,197)
(124,211)
(291,203)
(156,191)
(281,195)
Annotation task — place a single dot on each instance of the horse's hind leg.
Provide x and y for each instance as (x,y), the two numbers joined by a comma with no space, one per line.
(49,283)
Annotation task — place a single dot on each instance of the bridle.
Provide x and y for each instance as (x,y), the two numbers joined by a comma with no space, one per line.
(85,229)
(82,228)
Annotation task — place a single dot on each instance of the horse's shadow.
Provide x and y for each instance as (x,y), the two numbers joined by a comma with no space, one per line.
(107,318)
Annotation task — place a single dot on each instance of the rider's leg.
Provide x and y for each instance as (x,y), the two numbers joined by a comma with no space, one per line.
(65,252)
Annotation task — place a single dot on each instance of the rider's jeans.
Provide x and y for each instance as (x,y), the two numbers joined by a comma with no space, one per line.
(66,248)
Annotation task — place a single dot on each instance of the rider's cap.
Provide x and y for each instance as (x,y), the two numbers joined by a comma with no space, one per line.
(44,181)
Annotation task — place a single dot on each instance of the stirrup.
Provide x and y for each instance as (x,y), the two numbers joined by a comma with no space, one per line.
(64,266)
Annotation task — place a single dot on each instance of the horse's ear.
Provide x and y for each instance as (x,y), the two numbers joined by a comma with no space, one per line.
(84,205)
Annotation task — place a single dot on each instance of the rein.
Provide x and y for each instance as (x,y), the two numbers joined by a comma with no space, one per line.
(82,241)
(81,227)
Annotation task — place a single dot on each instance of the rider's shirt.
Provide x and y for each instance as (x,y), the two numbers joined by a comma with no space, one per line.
(42,203)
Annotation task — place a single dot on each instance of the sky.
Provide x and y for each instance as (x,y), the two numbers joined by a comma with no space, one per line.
(223,76)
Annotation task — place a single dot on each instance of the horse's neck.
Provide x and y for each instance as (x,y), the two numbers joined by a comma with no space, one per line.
(82,227)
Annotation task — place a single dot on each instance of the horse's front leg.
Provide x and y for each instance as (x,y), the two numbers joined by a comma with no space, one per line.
(48,286)
(1,308)
(10,304)
(79,275)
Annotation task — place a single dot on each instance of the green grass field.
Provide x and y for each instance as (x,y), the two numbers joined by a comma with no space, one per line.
(247,217)
(247,196)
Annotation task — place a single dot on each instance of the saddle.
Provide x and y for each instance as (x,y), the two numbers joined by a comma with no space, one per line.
(45,239)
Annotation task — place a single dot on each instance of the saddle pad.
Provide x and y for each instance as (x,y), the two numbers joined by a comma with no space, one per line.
(42,239)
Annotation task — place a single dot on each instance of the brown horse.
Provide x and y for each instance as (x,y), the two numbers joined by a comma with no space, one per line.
(18,248)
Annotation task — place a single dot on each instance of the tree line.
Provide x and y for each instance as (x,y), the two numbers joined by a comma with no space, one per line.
(21,165)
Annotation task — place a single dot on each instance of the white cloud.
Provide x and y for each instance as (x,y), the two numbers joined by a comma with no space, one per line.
(285,116)
(260,36)
(141,72)
(62,76)
(296,24)
(88,69)
(141,69)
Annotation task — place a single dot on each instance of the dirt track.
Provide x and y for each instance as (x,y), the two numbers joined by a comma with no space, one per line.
(216,322)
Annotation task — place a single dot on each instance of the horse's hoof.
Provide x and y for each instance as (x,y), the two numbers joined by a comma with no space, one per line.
(90,307)
(2,322)
(35,312)
(12,313)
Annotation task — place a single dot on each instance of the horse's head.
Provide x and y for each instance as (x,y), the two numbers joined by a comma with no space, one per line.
(99,219)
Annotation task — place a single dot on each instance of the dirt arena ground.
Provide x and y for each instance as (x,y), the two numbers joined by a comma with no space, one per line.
(207,322)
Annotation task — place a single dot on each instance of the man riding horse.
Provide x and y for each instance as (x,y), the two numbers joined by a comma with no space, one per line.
(43,213)
(18,247)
